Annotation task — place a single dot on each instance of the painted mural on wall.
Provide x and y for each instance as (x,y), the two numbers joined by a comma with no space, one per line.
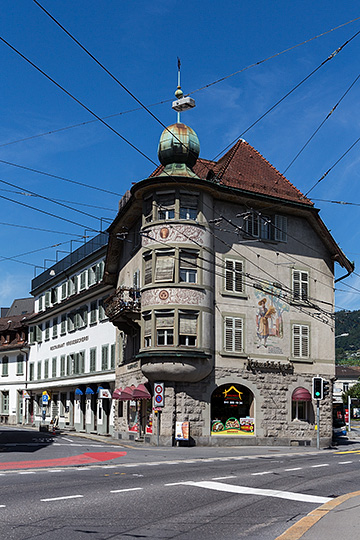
(269,318)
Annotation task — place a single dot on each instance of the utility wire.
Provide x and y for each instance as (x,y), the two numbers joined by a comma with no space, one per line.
(41,229)
(14,257)
(88,186)
(336,202)
(321,124)
(27,194)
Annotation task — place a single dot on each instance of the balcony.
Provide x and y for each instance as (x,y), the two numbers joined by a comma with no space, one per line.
(124,308)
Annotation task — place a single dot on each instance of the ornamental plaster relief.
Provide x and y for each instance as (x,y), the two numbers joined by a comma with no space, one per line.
(172,296)
(173,233)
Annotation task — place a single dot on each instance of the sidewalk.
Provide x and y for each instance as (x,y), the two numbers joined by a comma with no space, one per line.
(339,518)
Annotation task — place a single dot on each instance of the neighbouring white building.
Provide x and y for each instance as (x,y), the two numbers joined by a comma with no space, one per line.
(72,343)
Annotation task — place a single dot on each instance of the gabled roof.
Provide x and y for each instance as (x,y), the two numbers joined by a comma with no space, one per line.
(243,167)
(347,372)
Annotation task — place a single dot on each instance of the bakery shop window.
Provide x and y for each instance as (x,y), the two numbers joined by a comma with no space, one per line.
(232,411)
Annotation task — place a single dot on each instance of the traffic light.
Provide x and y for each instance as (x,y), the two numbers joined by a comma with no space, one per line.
(317,388)
(326,388)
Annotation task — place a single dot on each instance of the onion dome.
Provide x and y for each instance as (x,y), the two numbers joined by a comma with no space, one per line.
(178,150)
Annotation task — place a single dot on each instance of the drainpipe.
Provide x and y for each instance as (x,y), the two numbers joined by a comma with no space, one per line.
(26,352)
(347,274)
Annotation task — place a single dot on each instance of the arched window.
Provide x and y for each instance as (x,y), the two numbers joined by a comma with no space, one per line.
(301,405)
(232,410)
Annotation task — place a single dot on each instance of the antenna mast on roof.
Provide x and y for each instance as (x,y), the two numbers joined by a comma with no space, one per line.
(182,103)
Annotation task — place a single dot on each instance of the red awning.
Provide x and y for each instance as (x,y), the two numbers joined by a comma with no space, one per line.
(141,392)
(116,393)
(126,394)
(301,394)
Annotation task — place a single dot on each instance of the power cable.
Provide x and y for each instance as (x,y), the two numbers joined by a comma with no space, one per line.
(88,186)
(42,230)
(336,202)
(26,194)
(14,257)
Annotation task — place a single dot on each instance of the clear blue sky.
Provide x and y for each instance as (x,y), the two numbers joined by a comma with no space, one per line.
(139,43)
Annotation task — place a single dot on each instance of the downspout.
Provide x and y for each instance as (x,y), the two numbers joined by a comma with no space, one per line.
(346,275)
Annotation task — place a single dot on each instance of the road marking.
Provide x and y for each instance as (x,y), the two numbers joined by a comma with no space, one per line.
(123,490)
(261,473)
(294,469)
(66,439)
(321,465)
(54,470)
(2,506)
(27,472)
(224,477)
(243,490)
(349,452)
(62,498)
(344,462)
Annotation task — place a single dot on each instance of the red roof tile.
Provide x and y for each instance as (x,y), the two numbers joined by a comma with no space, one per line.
(243,167)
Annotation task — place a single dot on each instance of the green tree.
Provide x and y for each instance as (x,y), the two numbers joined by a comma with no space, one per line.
(353,392)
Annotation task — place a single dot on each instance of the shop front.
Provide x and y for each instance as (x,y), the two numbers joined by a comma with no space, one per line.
(232,411)
(139,415)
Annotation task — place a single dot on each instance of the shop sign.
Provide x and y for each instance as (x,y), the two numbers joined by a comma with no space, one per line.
(104,393)
(182,431)
(283,367)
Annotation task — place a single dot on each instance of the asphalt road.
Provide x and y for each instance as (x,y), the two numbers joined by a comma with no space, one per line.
(183,493)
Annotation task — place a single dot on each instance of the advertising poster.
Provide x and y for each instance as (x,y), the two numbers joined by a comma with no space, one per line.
(182,430)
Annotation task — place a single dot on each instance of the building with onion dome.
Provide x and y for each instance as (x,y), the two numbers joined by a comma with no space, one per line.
(224,291)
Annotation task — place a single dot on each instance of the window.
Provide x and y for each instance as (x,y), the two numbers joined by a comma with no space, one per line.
(164,327)
(166,205)
(62,365)
(55,328)
(54,295)
(63,325)
(102,314)
(70,364)
(78,361)
(72,285)
(234,281)
(71,322)
(93,312)
(300,285)
(300,410)
(93,359)
(233,334)
(38,330)
(47,299)
(188,206)
(41,303)
(54,367)
(5,402)
(188,266)
(100,271)
(5,366)
(31,335)
(147,268)
(187,328)
(46,368)
(83,280)
(112,356)
(64,291)
(165,266)
(47,330)
(136,280)
(300,341)
(148,210)
(31,372)
(266,227)
(38,374)
(92,275)
(345,387)
(147,329)
(81,317)
(105,357)
(20,364)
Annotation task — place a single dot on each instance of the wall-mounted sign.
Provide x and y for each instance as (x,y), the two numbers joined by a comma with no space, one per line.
(104,393)
(163,295)
(25,394)
(164,232)
(158,394)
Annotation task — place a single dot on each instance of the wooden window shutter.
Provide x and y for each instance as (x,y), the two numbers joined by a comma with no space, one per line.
(165,266)
(164,320)
(188,324)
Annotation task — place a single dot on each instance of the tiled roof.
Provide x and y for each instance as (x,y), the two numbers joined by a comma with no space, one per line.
(347,372)
(12,323)
(243,167)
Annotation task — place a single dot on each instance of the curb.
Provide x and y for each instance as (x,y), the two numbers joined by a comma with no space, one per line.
(301,527)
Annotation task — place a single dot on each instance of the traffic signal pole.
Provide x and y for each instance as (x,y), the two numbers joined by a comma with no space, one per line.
(318,424)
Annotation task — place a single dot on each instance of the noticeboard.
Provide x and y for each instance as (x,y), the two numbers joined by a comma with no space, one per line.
(182,431)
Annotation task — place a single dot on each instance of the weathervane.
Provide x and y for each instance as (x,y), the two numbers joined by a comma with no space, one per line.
(182,103)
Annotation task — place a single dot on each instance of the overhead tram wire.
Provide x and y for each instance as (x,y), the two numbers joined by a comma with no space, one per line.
(84,106)
(57,177)
(14,257)
(49,199)
(28,194)
(336,202)
(321,124)
(330,57)
(42,230)
(188,94)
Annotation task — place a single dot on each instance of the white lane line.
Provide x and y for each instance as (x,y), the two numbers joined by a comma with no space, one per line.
(243,490)
(54,470)
(66,439)
(62,498)
(294,469)
(2,506)
(123,490)
(321,465)
(344,462)
(27,472)
(223,477)
(261,473)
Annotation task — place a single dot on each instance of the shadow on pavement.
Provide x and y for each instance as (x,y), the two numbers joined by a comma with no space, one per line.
(16,440)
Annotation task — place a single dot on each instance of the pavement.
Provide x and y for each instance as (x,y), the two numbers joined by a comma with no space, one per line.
(339,518)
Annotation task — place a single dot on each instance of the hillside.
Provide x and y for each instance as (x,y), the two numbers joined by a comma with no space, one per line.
(347,347)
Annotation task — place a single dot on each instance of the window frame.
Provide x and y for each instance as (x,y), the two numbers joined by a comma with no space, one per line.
(234,276)
(231,333)
(300,340)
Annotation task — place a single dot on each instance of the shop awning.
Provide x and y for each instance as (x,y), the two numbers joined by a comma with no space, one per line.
(99,388)
(116,393)
(141,392)
(79,392)
(301,394)
(89,391)
(126,394)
